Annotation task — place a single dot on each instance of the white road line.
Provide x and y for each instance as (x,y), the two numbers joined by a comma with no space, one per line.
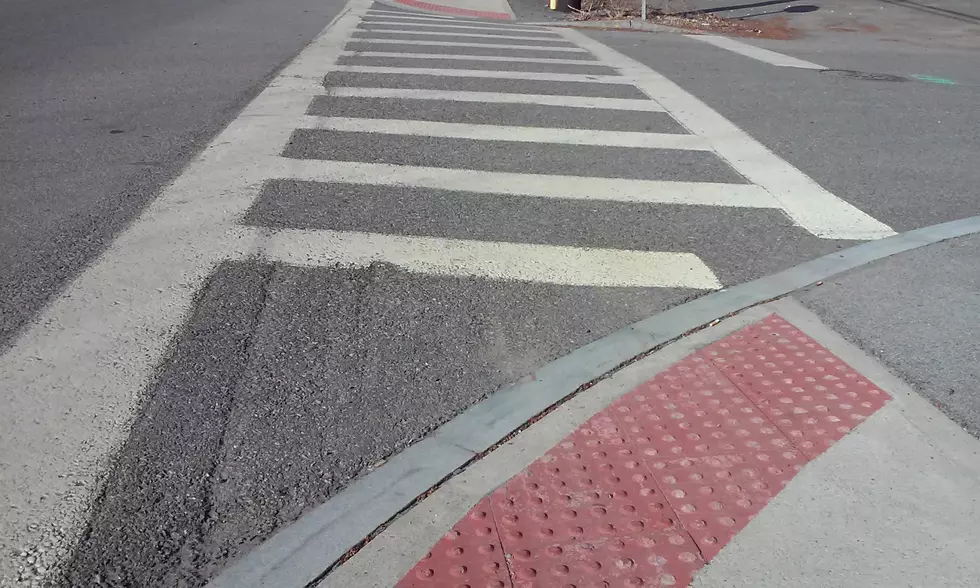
(479,132)
(551,264)
(442,56)
(639,105)
(536,185)
(803,200)
(71,381)
(474,26)
(758,53)
(411,15)
(486,73)
(555,38)
(465,44)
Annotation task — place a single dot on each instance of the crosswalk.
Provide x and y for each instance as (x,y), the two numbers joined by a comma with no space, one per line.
(471,109)
(444,146)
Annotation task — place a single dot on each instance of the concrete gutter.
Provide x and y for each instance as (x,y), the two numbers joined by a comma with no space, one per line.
(304,552)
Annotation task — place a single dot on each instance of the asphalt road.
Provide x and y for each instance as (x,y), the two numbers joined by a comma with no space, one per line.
(101,103)
(902,151)
(303,365)
(916,312)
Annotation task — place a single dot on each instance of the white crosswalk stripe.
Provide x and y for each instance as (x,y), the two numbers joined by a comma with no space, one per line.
(448,57)
(572,266)
(549,38)
(500,98)
(471,27)
(435,43)
(480,73)
(505,133)
(535,185)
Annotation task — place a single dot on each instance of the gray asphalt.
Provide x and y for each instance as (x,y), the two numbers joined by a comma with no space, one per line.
(355,45)
(727,240)
(433,82)
(904,152)
(511,156)
(489,65)
(290,382)
(486,113)
(287,383)
(101,103)
(918,313)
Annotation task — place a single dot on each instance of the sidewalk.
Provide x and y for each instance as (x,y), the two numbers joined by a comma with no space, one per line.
(762,453)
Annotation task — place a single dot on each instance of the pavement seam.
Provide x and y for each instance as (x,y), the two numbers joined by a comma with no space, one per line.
(208,508)
(500,543)
(762,413)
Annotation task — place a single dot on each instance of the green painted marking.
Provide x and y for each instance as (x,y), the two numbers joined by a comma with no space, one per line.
(935,80)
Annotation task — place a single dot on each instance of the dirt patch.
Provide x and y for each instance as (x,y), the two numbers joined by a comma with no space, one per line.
(760,28)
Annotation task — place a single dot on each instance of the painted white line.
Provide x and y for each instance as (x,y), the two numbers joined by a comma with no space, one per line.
(486,73)
(442,56)
(551,264)
(536,185)
(480,132)
(553,39)
(758,53)
(474,26)
(638,105)
(465,44)
(378,12)
(803,200)
(71,383)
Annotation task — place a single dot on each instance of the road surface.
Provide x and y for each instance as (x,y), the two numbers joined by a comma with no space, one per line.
(416,212)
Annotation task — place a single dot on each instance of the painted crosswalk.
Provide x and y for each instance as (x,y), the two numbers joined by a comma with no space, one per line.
(771,182)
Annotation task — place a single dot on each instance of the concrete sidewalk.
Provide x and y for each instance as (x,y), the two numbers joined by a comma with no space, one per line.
(774,452)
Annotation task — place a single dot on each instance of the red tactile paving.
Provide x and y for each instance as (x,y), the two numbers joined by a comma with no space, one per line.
(811,395)
(654,486)
(589,513)
(469,554)
(454,10)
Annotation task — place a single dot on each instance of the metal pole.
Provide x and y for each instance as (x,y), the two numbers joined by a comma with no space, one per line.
(644,10)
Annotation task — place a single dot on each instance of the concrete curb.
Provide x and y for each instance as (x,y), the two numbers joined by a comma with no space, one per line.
(305,551)
(383,561)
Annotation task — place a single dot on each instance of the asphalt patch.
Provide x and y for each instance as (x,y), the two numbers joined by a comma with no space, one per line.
(288,383)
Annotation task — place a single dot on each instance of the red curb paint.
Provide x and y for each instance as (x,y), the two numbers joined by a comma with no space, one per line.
(654,486)
(454,10)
